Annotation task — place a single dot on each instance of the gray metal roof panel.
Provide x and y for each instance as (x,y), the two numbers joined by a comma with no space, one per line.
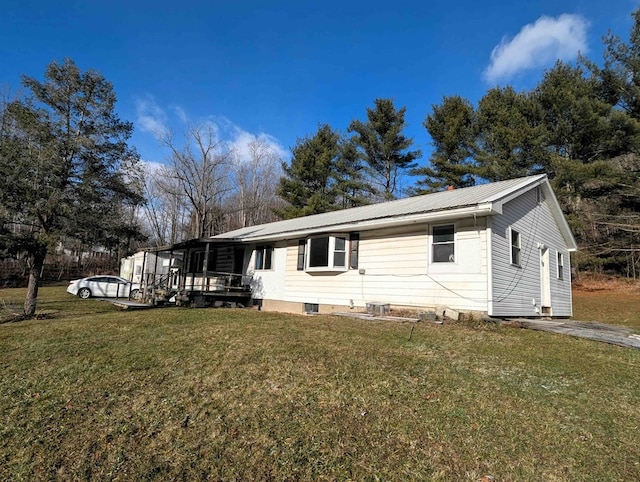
(427,203)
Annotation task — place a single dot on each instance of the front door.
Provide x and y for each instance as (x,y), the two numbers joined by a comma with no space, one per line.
(545,281)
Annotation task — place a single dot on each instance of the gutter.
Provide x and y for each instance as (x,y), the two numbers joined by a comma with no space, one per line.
(484,209)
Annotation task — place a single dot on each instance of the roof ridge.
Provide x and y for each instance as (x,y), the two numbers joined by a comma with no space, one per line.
(388,209)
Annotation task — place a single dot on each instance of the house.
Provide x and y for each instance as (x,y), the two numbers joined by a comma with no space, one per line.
(500,249)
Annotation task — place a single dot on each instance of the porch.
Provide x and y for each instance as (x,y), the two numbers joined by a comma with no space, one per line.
(198,272)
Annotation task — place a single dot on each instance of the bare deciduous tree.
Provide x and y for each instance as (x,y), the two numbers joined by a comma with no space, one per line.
(256,176)
(166,211)
(200,168)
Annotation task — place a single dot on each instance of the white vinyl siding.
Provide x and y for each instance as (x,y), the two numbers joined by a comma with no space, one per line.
(396,271)
(516,246)
(517,290)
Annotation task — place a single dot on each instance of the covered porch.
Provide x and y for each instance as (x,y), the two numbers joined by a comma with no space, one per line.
(198,272)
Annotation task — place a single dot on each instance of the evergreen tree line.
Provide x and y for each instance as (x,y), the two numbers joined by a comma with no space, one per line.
(580,125)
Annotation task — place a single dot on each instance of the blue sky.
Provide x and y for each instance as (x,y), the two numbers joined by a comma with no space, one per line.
(278,69)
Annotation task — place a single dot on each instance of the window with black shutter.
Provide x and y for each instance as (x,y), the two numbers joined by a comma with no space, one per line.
(301,248)
(354,241)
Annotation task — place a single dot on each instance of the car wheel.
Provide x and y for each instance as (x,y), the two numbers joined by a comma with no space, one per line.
(134,294)
(84,293)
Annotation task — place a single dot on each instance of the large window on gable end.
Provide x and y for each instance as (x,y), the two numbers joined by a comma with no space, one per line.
(327,253)
(514,237)
(264,255)
(443,244)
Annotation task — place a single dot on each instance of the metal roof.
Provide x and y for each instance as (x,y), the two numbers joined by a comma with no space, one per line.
(417,205)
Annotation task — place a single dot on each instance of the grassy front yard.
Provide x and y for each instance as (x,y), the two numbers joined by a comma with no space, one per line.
(92,392)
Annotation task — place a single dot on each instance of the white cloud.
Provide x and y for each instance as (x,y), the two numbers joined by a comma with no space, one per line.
(180,113)
(150,116)
(153,119)
(152,168)
(537,45)
(240,140)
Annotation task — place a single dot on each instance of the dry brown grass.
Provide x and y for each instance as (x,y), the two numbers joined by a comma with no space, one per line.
(607,300)
(607,283)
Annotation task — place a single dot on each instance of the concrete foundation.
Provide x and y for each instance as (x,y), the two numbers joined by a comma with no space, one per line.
(299,308)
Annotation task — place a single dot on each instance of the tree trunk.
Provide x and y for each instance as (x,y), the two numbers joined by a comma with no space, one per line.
(35,273)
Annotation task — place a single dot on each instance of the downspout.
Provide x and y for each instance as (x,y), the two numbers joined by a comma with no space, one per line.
(489,235)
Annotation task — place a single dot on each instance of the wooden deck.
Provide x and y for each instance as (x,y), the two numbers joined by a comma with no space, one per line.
(615,335)
(127,304)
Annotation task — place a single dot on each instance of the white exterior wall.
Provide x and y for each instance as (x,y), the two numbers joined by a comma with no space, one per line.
(268,283)
(396,271)
(517,291)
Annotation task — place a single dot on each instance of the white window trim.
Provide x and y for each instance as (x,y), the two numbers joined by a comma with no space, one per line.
(332,244)
(511,261)
(264,252)
(455,245)
(560,265)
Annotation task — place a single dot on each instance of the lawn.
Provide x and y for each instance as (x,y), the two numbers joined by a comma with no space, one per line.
(90,392)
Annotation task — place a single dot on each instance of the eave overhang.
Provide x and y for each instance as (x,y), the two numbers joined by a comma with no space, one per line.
(479,210)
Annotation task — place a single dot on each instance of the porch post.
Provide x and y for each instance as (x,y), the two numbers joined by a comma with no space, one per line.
(205,265)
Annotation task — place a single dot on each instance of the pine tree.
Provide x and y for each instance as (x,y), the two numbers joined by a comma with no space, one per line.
(65,158)
(452,129)
(307,185)
(510,135)
(384,148)
(351,187)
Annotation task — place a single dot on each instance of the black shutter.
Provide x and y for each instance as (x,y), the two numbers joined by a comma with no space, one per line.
(354,241)
(302,243)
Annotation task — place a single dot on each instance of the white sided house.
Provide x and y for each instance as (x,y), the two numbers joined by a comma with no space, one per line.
(500,249)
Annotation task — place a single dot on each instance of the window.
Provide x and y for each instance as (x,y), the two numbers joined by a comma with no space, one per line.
(264,255)
(212,263)
(560,265)
(443,245)
(340,252)
(326,253)
(196,261)
(319,252)
(515,247)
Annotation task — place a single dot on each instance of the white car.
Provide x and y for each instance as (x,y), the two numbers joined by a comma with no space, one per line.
(103,286)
